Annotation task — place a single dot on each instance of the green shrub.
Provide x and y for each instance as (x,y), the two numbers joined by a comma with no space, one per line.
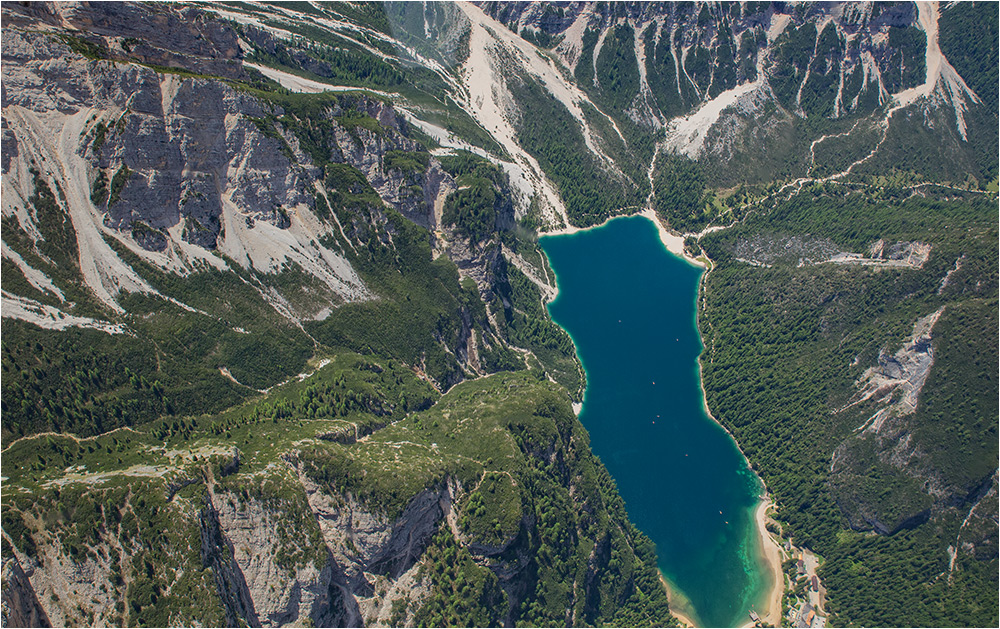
(118,182)
(99,192)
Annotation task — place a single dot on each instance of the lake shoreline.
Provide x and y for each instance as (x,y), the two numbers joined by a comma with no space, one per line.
(770,551)
(673,241)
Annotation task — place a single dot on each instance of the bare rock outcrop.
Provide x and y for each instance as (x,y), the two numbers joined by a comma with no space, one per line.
(887,443)
(185,38)
(20,606)
(170,165)
(363,541)
(267,584)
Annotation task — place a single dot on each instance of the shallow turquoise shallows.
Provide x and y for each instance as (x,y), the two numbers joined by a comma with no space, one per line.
(629,305)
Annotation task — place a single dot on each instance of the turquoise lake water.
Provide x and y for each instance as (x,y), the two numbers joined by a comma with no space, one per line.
(629,305)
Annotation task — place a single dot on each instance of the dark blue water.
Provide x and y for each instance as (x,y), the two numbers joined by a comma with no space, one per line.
(629,305)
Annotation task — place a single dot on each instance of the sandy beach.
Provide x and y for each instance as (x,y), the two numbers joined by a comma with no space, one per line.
(771,614)
(673,242)
(672,598)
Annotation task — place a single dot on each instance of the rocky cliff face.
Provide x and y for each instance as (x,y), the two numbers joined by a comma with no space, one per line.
(122,179)
(187,38)
(162,160)
(20,604)
(300,530)
(254,583)
(688,54)
(188,172)
(891,441)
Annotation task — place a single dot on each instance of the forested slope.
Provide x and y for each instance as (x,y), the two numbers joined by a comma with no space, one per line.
(890,488)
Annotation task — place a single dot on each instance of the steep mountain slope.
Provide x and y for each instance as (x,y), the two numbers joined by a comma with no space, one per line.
(179,188)
(175,242)
(758,92)
(276,513)
(321,217)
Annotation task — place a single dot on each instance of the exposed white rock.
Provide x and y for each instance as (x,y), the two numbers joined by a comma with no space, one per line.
(203,175)
(281,594)
(549,291)
(363,543)
(943,87)
(36,278)
(52,318)
(946,280)
(570,47)
(51,141)
(687,134)
(779,22)
(492,46)
(19,606)
(303,85)
(905,371)
(900,255)
(872,76)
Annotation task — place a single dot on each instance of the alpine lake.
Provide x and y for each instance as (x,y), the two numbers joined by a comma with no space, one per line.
(630,307)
